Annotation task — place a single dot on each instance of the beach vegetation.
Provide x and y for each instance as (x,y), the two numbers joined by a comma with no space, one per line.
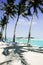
(8,10)
(0,36)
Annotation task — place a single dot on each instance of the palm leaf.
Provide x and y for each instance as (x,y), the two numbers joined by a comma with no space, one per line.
(4,3)
(41,9)
(35,4)
(22,1)
(10,1)
(11,17)
(25,16)
(2,8)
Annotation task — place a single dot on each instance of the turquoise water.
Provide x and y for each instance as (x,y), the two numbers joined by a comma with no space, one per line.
(37,42)
(22,40)
(32,41)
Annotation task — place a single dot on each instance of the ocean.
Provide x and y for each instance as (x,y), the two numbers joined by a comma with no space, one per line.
(36,42)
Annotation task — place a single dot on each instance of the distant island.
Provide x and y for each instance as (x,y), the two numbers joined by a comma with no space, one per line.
(24,37)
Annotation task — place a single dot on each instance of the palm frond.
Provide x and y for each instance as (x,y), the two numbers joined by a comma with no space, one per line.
(22,1)
(29,12)
(35,4)
(11,17)
(41,2)
(16,6)
(12,14)
(2,9)
(41,9)
(10,1)
(4,3)
(25,17)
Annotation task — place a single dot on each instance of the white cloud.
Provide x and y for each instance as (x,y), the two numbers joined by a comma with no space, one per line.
(25,22)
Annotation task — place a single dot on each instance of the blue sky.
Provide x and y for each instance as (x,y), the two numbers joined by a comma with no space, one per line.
(23,26)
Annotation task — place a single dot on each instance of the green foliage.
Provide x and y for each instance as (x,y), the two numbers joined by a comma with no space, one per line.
(10,1)
(36,4)
(9,8)
(3,22)
(0,35)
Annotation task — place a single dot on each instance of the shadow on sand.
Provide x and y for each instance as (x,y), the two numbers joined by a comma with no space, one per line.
(7,62)
(17,50)
(39,50)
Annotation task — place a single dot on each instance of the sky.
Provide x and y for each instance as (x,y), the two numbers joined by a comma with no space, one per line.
(22,29)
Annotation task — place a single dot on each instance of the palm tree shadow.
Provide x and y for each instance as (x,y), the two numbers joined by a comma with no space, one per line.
(7,62)
(19,50)
(39,50)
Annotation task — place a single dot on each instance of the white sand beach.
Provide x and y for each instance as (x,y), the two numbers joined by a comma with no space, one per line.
(21,56)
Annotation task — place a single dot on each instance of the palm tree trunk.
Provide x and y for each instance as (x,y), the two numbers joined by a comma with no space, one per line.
(2,33)
(29,35)
(5,32)
(6,27)
(1,30)
(15,29)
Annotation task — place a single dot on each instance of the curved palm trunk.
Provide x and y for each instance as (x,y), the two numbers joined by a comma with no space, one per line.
(6,28)
(15,29)
(29,35)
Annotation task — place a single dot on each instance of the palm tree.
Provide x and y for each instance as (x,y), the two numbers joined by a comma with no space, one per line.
(36,4)
(9,10)
(21,11)
(2,23)
(5,22)
(29,35)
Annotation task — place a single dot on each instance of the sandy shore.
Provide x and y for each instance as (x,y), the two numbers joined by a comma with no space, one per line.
(20,55)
